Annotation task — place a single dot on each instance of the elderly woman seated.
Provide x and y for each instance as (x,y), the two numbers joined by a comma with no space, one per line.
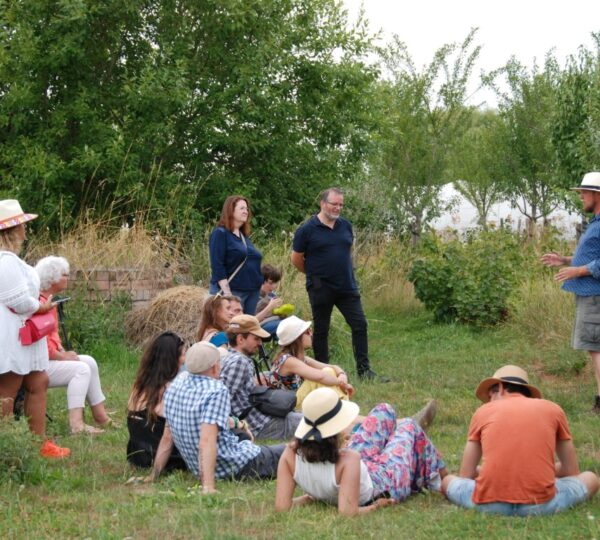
(78,372)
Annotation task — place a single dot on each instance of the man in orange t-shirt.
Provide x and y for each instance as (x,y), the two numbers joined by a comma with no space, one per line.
(518,435)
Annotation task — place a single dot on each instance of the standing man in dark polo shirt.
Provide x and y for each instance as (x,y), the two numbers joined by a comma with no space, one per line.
(581,276)
(322,250)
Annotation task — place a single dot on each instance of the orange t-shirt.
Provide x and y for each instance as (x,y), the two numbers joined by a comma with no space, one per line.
(518,438)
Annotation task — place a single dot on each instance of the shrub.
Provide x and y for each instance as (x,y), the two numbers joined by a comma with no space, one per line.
(468,281)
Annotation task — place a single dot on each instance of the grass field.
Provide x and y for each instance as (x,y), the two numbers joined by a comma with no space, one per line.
(86,496)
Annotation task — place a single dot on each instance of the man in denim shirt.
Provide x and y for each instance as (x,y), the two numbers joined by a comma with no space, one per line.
(581,275)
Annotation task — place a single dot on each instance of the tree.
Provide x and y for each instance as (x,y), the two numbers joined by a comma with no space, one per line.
(426,115)
(171,105)
(526,157)
(474,165)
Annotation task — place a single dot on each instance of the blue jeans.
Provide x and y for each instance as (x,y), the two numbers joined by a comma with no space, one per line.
(569,492)
(249,299)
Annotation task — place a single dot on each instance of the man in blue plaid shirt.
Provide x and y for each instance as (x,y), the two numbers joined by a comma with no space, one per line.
(197,409)
(245,336)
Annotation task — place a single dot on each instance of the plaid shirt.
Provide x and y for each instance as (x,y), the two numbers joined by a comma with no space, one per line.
(193,400)
(237,372)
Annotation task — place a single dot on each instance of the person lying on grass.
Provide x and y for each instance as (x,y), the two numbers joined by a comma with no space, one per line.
(517,433)
(382,462)
(197,408)
(292,369)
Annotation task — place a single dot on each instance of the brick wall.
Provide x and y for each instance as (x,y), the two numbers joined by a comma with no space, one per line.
(141,285)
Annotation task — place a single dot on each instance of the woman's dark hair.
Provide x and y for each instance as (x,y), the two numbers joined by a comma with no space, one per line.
(158,367)
(319,452)
(226,219)
(208,317)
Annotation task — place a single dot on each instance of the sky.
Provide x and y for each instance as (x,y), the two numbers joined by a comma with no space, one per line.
(527,29)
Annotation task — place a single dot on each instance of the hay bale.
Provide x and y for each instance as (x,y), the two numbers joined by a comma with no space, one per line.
(176,309)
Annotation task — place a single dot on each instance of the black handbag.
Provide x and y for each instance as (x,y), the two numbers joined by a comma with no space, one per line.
(272,401)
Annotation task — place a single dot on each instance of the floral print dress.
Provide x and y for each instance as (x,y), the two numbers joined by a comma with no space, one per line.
(398,455)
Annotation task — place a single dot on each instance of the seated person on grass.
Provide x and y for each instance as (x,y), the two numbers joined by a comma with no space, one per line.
(270,307)
(292,369)
(517,433)
(245,337)
(197,407)
(215,316)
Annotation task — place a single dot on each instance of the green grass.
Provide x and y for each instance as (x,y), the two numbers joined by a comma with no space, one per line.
(85,496)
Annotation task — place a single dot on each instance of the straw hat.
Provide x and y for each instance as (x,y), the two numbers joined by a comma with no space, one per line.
(508,374)
(590,182)
(291,329)
(201,356)
(324,415)
(11,214)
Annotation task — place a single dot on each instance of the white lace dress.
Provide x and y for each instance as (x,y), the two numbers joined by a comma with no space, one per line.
(19,291)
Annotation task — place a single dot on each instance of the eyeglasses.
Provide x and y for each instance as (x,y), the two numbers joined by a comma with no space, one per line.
(335,205)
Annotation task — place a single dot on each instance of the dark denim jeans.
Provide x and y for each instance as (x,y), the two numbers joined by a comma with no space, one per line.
(322,300)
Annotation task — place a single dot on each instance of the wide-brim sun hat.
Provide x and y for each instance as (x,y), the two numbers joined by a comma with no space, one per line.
(11,214)
(324,415)
(507,374)
(590,182)
(290,329)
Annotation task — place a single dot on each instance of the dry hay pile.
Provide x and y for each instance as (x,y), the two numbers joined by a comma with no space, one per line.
(176,309)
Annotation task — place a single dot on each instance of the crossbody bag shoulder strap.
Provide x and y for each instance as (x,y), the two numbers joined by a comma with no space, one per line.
(230,278)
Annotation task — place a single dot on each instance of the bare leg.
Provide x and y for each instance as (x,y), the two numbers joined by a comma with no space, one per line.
(9,386)
(596,365)
(36,384)
(99,413)
(590,481)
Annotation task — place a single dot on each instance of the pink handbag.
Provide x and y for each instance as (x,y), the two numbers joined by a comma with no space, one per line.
(37,327)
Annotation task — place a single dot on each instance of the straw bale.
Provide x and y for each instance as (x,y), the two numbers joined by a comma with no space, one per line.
(176,309)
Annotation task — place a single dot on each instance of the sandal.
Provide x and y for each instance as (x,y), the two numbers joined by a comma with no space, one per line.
(88,430)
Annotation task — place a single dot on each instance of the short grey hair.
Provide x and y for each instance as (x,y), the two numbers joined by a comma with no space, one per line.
(326,192)
(50,269)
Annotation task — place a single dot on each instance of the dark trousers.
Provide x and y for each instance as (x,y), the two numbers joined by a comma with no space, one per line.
(322,299)
(264,465)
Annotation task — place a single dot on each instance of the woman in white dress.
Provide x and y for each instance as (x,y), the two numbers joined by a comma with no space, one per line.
(78,372)
(19,291)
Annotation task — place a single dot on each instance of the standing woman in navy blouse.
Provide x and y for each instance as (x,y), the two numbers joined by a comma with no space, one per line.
(234,261)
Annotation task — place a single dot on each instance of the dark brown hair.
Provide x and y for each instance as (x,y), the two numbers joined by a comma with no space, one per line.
(159,365)
(271,272)
(226,219)
(319,452)
(208,316)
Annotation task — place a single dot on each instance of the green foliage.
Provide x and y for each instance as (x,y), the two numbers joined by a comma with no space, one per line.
(469,281)
(19,453)
(424,117)
(166,106)
(89,316)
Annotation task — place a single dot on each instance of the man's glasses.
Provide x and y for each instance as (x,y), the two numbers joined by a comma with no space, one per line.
(335,205)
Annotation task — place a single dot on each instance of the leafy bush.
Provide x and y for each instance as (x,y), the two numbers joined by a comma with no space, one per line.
(88,319)
(468,281)
(19,458)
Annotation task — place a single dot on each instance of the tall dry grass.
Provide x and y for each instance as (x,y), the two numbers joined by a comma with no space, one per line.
(541,311)
(106,244)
